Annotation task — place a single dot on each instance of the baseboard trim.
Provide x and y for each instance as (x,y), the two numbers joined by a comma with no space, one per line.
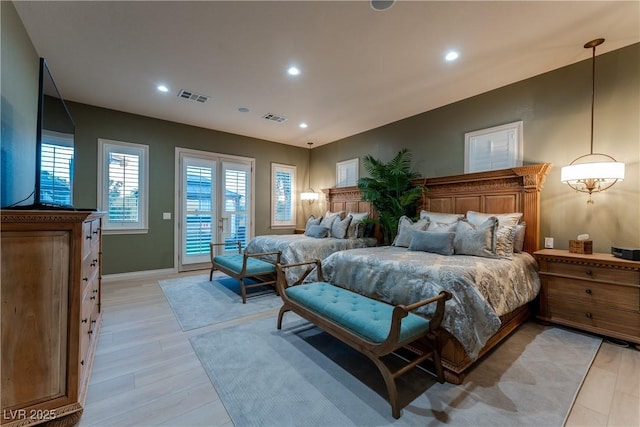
(137,275)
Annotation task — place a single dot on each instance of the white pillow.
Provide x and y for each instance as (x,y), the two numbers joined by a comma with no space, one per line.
(506,232)
(339,227)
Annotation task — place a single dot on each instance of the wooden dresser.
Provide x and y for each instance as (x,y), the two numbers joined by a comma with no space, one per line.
(51,317)
(597,292)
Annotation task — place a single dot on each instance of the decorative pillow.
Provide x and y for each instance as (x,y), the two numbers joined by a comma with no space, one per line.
(317,231)
(477,218)
(327,220)
(505,235)
(356,229)
(431,241)
(518,242)
(405,227)
(339,227)
(441,222)
(476,240)
(312,221)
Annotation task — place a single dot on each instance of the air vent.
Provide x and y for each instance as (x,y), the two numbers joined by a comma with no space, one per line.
(187,94)
(275,118)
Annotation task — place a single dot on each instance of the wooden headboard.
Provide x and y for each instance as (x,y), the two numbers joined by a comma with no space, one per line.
(500,191)
(346,199)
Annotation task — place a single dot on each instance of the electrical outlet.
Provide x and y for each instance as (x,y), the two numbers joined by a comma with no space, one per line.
(166,215)
(548,242)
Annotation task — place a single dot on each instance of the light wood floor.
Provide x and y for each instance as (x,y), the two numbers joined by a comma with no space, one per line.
(146,373)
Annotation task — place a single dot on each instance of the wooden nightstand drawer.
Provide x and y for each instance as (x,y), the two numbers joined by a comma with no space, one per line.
(615,296)
(594,316)
(592,272)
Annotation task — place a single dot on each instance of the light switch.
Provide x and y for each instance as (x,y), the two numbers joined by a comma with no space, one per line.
(166,215)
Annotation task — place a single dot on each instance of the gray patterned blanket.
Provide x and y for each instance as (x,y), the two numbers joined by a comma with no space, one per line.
(299,248)
(483,289)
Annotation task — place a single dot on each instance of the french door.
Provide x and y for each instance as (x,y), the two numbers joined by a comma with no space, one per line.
(215,205)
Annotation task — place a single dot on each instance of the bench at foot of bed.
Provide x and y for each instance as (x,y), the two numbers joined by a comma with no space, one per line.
(372,327)
(243,266)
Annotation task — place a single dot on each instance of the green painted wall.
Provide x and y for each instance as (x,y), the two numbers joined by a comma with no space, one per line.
(142,252)
(555,108)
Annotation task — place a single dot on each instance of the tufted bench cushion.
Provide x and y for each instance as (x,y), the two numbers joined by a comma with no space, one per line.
(234,263)
(363,316)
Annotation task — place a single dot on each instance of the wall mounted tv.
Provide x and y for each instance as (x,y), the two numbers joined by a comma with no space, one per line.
(55,147)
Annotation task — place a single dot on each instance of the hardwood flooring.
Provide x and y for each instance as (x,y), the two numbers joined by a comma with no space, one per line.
(146,373)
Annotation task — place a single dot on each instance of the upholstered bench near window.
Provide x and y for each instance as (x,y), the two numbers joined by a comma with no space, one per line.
(243,266)
(372,327)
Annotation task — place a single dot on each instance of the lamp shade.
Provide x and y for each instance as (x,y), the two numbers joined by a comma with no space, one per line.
(309,195)
(603,172)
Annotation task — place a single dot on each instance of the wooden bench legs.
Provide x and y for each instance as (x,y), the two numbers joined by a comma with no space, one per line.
(315,302)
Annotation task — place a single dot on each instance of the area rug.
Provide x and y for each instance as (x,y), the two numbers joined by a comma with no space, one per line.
(197,302)
(301,376)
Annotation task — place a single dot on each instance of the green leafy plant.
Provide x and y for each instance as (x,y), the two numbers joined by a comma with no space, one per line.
(390,191)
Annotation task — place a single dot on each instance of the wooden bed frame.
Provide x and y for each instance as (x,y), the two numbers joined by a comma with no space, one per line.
(500,191)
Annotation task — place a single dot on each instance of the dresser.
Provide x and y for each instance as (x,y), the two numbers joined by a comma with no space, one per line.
(597,292)
(51,317)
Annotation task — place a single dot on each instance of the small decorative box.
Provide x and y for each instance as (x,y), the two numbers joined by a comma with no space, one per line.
(581,246)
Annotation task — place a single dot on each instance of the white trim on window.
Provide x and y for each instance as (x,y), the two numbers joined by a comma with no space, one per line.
(283,196)
(499,147)
(123,186)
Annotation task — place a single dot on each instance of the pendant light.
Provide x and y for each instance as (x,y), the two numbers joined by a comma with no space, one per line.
(593,172)
(309,195)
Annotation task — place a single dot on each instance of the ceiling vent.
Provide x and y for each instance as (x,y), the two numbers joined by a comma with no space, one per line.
(275,118)
(187,94)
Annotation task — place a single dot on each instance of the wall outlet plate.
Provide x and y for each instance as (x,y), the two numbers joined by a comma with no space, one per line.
(548,242)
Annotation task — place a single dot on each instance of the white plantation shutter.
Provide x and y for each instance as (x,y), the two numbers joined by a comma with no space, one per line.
(56,169)
(122,186)
(283,178)
(499,147)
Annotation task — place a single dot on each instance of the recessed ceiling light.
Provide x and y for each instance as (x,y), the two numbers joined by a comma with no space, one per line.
(293,71)
(303,125)
(243,109)
(163,88)
(452,55)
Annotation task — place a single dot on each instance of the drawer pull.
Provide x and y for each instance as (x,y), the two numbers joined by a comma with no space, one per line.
(88,237)
(95,260)
(93,321)
(95,291)
(92,297)
(95,232)
(84,320)
(588,291)
(589,315)
(89,331)
(93,263)
(85,279)
(589,273)
(82,362)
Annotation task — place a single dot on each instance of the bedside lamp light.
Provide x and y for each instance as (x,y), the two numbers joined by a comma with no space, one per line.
(593,172)
(309,195)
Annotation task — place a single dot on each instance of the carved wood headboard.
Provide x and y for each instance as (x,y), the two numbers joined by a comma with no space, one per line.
(500,191)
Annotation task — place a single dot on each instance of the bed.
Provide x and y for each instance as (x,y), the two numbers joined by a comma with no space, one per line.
(491,296)
(300,247)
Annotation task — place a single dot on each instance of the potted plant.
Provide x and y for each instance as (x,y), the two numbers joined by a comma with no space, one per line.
(390,191)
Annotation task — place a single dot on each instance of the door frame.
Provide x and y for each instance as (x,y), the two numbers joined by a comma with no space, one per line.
(177,209)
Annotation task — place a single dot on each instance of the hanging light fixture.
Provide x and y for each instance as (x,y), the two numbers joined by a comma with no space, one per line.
(309,195)
(593,172)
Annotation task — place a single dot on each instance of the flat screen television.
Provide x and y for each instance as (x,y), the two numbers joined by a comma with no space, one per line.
(54,148)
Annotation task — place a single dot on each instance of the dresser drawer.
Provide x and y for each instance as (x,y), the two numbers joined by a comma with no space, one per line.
(592,272)
(605,295)
(594,316)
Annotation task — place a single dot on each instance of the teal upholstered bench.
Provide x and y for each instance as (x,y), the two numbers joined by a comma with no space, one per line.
(372,327)
(242,266)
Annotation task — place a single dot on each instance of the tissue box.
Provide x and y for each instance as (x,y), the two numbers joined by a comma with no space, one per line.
(581,246)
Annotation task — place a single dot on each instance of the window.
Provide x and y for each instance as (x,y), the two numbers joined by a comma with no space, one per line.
(283,190)
(122,186)
(494,148)
(56,168)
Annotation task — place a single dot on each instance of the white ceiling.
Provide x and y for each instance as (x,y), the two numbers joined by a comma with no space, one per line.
(361,68)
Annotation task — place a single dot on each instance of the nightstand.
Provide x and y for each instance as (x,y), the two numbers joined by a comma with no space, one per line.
(594,292)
